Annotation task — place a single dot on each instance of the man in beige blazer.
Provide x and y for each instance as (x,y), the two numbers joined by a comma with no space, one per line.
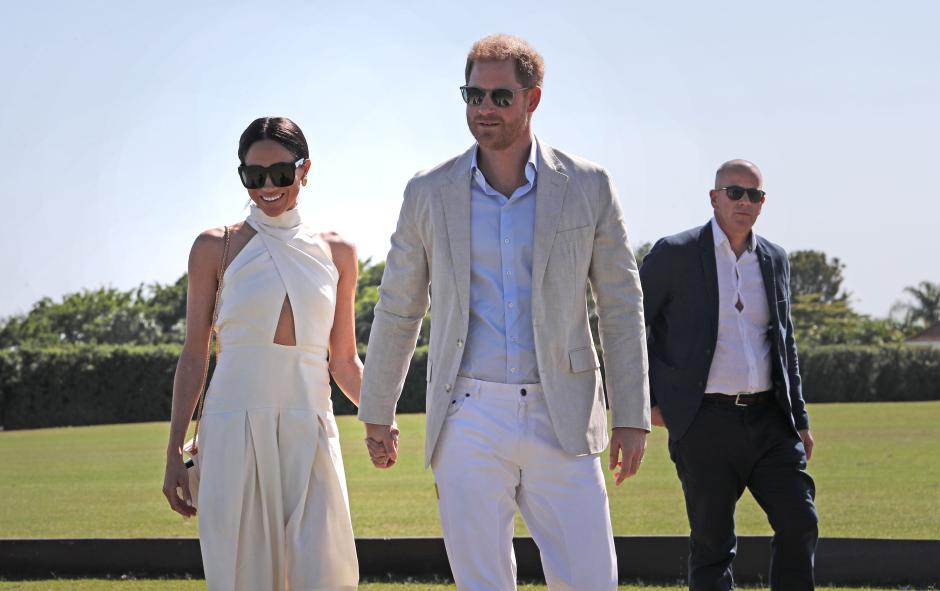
(508,236)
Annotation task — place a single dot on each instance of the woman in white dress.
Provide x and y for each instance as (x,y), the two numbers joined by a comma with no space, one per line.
(272,499)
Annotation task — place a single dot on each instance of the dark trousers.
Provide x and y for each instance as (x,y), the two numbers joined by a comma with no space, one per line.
(726,449)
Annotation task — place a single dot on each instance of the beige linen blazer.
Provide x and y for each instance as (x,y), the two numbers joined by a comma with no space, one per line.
(580,238)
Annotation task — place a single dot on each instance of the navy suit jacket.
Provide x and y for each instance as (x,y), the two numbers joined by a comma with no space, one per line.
(680,300)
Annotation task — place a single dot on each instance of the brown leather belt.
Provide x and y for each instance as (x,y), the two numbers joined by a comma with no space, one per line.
(741,399)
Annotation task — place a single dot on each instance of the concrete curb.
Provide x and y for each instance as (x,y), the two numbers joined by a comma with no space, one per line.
(839,561)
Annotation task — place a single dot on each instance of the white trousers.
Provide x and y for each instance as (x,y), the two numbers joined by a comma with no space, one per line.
(498,453)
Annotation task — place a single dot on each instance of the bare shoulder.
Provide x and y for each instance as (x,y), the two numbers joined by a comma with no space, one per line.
(207,246)
(342,251)
(207,249)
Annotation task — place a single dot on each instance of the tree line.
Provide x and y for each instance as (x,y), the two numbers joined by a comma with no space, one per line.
(154,313)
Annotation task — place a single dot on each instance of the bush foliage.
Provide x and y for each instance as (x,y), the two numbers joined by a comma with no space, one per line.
(108,356)
(121,383)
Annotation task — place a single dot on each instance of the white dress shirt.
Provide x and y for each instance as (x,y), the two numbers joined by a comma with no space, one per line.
(741,363)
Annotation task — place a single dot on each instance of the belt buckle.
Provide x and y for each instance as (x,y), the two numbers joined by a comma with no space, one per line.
(737,399)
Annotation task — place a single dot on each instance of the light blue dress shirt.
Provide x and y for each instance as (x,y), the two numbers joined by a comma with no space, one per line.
(500,343)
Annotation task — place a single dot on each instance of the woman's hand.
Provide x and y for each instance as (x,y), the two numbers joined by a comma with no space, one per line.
(205,263)
(175,479)
(382,443)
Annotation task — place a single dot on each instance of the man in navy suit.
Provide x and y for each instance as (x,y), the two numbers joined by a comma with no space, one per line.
(725,382)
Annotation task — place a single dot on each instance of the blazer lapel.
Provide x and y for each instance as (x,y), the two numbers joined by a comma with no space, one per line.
(706,243)
(550,190)
(767,272)
(455,196)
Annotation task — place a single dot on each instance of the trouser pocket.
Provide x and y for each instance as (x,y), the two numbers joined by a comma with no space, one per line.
(457,401)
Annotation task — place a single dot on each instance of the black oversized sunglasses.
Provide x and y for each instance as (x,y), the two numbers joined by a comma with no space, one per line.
(735,193)
(281,173)
(501,97)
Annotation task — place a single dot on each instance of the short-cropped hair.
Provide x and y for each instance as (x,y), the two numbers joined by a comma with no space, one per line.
(530,67)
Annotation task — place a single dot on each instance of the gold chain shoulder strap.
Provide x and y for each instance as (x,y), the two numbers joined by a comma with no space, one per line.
(213,333)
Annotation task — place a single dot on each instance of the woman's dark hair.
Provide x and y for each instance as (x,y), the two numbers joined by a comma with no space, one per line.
(279,129)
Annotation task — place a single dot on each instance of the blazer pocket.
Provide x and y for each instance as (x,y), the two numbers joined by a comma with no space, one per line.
(570,234)
(583,359)
(572,229)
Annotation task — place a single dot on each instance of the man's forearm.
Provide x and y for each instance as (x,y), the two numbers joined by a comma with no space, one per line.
(403,303)
(391,347)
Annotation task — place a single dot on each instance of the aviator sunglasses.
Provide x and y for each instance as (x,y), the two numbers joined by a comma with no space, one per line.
(281,174)
(735,193)
(501,97)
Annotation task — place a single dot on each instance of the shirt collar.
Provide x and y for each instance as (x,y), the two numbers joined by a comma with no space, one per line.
(531,169)
(721,237)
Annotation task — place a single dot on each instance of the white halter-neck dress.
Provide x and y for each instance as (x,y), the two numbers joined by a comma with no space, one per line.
(273,504)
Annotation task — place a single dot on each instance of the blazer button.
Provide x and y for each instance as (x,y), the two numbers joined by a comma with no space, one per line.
(447,387)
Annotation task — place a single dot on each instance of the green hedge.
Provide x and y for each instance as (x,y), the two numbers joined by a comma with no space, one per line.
(412,394)
(87,385)
(8,376)
(90,385)
(122,384)
(870,374)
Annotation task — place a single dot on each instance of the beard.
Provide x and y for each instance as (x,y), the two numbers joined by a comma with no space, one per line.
(498,138)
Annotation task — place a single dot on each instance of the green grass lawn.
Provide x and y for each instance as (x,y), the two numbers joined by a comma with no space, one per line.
(877,471)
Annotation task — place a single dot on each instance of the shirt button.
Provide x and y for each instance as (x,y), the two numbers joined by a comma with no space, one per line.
(509,304)
(509,273)
(459,343)
(513,370)
(506,240)
(447,387)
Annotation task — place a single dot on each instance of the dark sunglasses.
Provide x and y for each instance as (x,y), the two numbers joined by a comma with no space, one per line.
(735,193)
(282,174)
(501,97)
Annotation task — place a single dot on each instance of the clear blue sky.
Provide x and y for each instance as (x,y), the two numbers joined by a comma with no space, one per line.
(119,121)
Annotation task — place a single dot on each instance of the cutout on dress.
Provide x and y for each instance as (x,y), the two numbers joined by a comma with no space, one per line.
(284,332)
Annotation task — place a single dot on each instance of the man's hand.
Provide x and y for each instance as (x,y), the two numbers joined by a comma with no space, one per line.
(382,442)
(656,417)
(808,442)
(632,443)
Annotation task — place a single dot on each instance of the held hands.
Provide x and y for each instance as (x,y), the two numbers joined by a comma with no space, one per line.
(631,443)
(382,443)
(176,480)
